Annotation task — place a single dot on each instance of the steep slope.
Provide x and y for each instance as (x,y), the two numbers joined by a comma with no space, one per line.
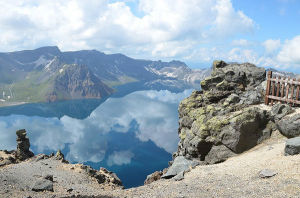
(57,81)
(77,82)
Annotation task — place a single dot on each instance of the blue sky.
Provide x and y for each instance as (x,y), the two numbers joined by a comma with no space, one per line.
(263,32)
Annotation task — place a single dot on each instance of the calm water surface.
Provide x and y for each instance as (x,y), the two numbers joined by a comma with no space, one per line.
(132,135)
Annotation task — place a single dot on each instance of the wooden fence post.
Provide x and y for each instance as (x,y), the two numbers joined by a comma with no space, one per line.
(268,87)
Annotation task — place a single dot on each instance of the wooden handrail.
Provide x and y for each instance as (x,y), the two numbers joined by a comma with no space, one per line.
(282,90)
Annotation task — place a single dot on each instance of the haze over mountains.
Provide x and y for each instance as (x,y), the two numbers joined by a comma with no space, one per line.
(47,74)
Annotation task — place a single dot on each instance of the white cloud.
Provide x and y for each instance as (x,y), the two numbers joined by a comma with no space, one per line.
(271,45)
(167,28)
(241,42)
(290,52)
(120,158)
(87,139)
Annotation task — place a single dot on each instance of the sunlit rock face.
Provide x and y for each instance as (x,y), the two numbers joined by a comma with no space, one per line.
(222,119)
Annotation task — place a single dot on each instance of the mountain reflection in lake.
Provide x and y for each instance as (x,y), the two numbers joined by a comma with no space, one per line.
(133,136)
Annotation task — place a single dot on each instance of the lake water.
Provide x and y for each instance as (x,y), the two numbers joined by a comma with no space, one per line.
(132,135)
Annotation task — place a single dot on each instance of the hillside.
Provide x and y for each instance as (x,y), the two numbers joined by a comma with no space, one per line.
(56,81)
(45,74)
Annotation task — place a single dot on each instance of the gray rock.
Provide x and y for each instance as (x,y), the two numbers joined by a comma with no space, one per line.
(42,185)
(40,157)
(5,162)
(290,126)
(48,177)
(233,98)
(186,122)
(180,164)
(218,154)
(153,177)
(245,130)
(292,146)
(23,145)
(266,173)
(179,176)
(280,110)
(251,97)
(59,155)
(220,114)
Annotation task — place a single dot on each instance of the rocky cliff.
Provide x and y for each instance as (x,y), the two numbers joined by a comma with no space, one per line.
(77,82)
(222,120)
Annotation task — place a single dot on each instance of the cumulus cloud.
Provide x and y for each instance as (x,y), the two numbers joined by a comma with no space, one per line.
(120,158)
(271,45)
(290,52)
(163,28)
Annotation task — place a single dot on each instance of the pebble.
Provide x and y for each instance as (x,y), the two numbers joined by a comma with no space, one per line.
(266,173)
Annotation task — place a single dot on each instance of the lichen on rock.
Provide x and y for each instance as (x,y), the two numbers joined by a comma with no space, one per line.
(221,120)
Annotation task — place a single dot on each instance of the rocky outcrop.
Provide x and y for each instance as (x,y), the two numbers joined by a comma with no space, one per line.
(292,146)
(42,173)
(23,145)
(223,119)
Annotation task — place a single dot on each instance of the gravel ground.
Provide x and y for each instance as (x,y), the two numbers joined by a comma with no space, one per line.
(237,177)
(16,180)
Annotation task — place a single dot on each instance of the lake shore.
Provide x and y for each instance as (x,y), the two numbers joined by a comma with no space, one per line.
(7,104)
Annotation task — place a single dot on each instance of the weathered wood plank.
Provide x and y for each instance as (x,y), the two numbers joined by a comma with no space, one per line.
(273,92)
(287,90)
(278,86)
(292,94)
(285,81)
(297,92)
(268,87)
(282,88)
(284,99)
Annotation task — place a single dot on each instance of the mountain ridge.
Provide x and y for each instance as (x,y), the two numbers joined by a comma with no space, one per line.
(37,69)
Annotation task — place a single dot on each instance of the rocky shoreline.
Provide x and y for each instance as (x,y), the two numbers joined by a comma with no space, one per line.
(231,145)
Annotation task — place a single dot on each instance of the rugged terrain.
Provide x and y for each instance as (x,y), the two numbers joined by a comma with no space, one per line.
(237,177)
(47,74)
(231,145)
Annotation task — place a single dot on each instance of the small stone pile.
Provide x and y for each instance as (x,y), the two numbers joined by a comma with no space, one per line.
(23,146)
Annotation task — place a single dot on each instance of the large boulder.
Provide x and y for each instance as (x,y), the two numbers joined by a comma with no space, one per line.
(179,165)
(279,110)
(289,126)
(218,154)
(220,120)
(244,130)
(292,146)
(42,185)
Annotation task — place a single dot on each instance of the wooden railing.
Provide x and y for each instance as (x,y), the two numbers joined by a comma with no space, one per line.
(282,89)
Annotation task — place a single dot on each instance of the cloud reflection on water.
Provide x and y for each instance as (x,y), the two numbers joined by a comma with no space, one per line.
(154,112)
